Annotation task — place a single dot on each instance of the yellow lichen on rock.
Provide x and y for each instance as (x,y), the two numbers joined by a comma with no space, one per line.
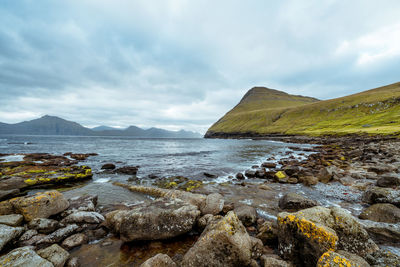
(280,175)
(333,259)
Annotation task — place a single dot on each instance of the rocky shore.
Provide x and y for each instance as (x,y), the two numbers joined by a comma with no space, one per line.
(267,215)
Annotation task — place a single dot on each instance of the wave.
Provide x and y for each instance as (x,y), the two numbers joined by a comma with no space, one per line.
(184,154)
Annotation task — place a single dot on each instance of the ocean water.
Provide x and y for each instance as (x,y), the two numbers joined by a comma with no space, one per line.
(162,157)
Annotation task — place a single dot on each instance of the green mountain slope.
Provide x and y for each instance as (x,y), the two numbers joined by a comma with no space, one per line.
(375,111)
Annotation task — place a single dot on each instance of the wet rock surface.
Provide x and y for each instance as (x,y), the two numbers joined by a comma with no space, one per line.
(24,257)
(164,218)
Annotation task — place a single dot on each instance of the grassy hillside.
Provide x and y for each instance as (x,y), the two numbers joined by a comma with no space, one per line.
(375,111)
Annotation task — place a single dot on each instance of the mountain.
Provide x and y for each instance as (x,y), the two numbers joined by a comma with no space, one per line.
(50,125)
(258,108)
(46,125)
(103,128)
(376,111)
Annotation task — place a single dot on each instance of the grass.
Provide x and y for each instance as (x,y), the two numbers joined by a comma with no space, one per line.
(375,111)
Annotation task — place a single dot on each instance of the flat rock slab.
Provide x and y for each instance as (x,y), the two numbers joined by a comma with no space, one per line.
(161,219)
(55,254)
(8,233)
(23,257)
(12,219)
(40,205)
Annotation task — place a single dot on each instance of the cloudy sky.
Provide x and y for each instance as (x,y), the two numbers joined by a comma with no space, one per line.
(184,63)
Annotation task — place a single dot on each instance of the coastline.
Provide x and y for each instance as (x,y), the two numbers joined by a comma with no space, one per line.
(355,162)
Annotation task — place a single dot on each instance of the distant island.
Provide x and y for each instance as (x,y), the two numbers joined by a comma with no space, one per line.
(51,125)
(265,112)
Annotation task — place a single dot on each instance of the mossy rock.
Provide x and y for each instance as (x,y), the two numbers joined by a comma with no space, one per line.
(178,182)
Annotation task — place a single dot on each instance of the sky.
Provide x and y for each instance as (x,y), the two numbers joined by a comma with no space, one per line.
(182,64)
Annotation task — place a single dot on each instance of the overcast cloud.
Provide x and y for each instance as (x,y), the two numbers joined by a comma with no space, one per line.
(184,63)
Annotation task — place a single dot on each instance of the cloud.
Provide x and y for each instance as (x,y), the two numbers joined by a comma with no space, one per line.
(183,64)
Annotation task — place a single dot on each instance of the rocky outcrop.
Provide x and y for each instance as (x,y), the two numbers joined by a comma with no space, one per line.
(294,202)
(23,257)
(307,234)
(204,203)
(222,243)
(162,219)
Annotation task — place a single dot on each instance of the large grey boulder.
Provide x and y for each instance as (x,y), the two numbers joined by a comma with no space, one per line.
(161,219)
(8,234)
(222,243)
(213,204)
(382,232)
(388,181)
(159,260)
(307,234)
(382,195)
(23,257)
(54,254)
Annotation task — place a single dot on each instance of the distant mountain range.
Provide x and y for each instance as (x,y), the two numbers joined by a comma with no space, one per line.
(51,125)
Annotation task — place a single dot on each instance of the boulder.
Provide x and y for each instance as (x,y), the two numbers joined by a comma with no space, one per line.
(159,260)
(209,175)
(54,254)
(8,234)
(281,177)
(43,225)
(108,166)
(59,235)
(382,232)
(240,176)
(383,258)
(40,205)
(213,204)
(295,202)
(161,219)
(334,259)
(83,217)
(247,214)
(250,173)
(309,180)
(269,165)
(23,257)
(222,243)
(358,261)
(307,234)
(74,241)
(388,181)
(11,219)
(325,174)
(382,195)
(381,212)
(128,170)
(72,262)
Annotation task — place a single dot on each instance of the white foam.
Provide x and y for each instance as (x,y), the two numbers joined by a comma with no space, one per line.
(102,180)
(13,158)
(266,215)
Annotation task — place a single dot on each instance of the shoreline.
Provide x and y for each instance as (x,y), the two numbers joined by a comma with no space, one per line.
(353,162)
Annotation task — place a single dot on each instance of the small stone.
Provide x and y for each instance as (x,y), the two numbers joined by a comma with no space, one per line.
(74,241)
(72,262)
(12,219)
(84,217)
(268,261)
(159,260)
(55,254)
(43,225)
(59,235)
(108,166)
(240,176)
